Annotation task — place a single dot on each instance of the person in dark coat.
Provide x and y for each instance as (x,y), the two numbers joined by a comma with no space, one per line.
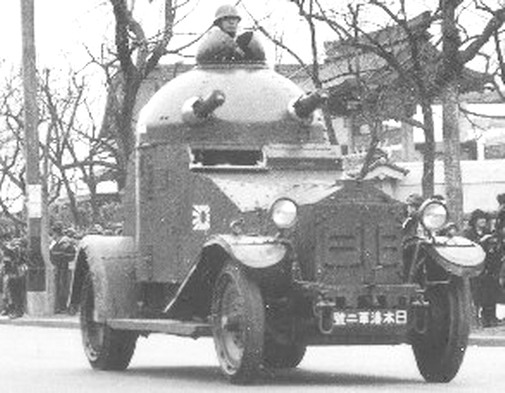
(490,277)
(62,251)
(14,268)
(500,216)
(478,231)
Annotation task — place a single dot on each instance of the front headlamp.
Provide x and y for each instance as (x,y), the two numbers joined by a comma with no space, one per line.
(433,215)
(284,212)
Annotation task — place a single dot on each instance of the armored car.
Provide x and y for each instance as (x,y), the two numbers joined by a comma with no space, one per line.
(241,225)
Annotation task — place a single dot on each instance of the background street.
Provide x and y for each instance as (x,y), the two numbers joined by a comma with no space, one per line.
(34,359)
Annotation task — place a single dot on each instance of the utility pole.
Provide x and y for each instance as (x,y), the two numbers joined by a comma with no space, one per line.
(36,278)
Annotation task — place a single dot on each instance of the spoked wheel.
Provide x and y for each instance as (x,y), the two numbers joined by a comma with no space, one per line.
(105,348)
(238,324)
(278,355)
(440,350)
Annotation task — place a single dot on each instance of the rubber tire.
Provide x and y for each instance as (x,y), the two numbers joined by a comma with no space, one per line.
(235,287)
(105,348)
(283,355)
(440,351)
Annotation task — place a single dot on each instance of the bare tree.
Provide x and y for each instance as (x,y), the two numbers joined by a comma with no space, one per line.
(72,154)
(455,54)
(12,184)
(417,70)
(136,56)
(403,47)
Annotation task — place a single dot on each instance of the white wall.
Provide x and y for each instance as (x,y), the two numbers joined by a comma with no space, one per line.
(482,181)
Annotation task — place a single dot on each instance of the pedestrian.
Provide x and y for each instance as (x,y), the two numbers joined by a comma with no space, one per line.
(478,232)
(500,216)
(490,287)
(222,43)
(14,268)
(62,251)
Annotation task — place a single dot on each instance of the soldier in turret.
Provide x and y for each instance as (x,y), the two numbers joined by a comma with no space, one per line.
(223,44)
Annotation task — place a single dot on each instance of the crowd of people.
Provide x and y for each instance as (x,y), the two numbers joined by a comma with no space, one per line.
(14,266)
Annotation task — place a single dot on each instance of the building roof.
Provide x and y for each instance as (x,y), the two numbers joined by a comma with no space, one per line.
(348,63)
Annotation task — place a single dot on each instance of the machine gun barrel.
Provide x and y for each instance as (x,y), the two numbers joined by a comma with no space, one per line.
(305,105)
(203,107)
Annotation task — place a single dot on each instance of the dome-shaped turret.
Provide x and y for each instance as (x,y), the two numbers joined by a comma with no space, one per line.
(246,103)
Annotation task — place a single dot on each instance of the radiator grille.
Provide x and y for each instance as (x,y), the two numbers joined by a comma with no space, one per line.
(358,244)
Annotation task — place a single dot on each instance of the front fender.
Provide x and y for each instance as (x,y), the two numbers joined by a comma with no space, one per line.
(111,262)
(457,255)
(253,251)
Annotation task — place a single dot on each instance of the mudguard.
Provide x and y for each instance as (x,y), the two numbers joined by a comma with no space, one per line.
(111,261)
(257,252)
(458,255)
(253,251)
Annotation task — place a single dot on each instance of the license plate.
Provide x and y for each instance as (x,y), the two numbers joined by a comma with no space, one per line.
(370,318)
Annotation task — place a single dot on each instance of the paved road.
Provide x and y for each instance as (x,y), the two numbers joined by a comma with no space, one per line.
(39,360)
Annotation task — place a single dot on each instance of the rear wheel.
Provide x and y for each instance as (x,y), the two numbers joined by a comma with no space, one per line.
(283,355)
(238,324)
(105,348)
(440,350)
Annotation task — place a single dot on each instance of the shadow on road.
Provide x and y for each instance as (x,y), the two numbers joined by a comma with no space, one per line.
(210,376)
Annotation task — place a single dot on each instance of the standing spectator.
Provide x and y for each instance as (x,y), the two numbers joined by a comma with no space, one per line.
(500,217)
(490,277)
(14,270)
(478,232)
(62,251)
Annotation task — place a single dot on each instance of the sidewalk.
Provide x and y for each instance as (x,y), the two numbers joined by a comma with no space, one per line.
(489,337)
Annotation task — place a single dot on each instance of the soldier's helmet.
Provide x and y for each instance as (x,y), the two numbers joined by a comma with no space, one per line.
(226,11)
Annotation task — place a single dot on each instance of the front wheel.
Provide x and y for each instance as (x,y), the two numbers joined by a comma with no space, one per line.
(439,351)
(105,348)
(238,324)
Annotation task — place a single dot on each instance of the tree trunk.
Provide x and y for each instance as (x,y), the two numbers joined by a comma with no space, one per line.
(452,156)
(428,179)
(451,73)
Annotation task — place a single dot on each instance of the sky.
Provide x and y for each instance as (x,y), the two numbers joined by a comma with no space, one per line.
(64,27)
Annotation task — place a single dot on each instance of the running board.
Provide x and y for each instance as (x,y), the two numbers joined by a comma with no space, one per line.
(167,326)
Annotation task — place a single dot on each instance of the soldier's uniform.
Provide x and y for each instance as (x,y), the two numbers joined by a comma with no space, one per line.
(220,46)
